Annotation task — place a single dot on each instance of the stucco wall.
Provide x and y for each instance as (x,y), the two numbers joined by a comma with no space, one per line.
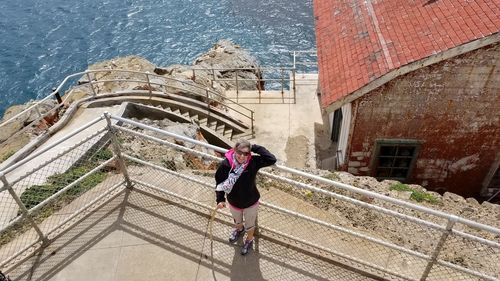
(452,107)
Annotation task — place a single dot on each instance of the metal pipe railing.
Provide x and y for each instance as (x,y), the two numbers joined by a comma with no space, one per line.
(432,259)
(148,75)
(42,100)
(34,155)
(92,81)
(428,261)
(69,149)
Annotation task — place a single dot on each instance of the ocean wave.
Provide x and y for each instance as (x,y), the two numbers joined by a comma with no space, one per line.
(77,33)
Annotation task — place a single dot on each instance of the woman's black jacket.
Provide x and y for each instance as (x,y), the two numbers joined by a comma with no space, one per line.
(244,193)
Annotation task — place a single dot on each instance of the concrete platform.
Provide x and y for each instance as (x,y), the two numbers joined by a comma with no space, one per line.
(151,238)
(287,129)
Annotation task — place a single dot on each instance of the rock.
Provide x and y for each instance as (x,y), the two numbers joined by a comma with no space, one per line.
(472,201)
(25,119)
(491,206)
(448,196)
(135,63)
(77,93)
(388,183)
(227,55)
(405,195)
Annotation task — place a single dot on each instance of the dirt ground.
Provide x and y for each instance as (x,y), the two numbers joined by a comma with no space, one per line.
(296,152)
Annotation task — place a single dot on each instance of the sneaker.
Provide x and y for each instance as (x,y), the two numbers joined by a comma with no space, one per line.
(235,235)
(246,247)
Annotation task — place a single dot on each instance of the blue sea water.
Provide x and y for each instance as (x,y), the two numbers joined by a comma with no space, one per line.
(43,41)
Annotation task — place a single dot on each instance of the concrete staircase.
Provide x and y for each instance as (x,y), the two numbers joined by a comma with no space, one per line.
(217,123)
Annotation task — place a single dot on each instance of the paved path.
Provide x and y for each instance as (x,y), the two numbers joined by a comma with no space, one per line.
(288,129)
(154,239)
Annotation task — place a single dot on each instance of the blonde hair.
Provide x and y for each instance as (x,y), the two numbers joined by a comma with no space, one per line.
(242,143)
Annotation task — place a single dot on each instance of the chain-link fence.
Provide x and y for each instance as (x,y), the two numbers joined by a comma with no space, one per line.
(359,229)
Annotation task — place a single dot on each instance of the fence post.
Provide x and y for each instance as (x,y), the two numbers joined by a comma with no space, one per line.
(90,84)
(57,95)
(294,90)
(213,76)
(294,59)
(451,222)
(208,101)
(23,209)
(117,150)
(253,131)
(237,85)
(149,85)
(282,86)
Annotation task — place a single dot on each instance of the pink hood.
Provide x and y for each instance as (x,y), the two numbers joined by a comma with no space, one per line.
(229,155)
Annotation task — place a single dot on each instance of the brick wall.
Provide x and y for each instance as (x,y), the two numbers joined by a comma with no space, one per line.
(452,107)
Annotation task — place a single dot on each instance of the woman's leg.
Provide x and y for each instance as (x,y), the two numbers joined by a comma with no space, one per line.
(237,217)
(250,215)
(238,221)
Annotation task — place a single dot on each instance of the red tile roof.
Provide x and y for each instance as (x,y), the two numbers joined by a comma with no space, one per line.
(360,40)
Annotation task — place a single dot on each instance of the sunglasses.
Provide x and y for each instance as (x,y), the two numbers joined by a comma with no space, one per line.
(242,153)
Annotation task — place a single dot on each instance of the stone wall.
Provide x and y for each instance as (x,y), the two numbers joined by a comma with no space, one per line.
(451,108)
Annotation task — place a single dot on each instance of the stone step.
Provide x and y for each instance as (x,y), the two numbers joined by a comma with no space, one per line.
(220,128)
(203,121)
(228,133)
(212,124)
(194,118)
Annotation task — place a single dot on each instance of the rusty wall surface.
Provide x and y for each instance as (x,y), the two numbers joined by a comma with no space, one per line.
(452,107)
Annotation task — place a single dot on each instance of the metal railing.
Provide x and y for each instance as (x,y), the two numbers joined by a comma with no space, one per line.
(330,218)
(282,79)
(299,60)
(212,99)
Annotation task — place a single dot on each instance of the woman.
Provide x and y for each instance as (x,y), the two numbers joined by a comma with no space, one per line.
(236,178)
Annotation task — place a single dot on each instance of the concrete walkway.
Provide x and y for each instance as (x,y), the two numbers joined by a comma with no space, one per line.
(143,236)
(288,130)
(152,238)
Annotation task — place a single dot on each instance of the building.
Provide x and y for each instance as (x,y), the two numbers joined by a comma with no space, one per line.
(412,90)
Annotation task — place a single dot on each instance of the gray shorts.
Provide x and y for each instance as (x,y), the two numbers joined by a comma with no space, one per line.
(249,215)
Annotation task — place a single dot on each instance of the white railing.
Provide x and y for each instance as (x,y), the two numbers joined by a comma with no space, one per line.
(458,248)
(286,80)
(210,97)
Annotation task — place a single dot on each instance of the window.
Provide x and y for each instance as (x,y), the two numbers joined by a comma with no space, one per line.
(394,158)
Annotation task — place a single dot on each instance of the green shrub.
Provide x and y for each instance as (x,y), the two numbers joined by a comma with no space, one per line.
(36,194)
(332,176)
(416,195)
(400,187)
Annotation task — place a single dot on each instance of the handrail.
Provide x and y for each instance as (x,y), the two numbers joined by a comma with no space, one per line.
(207,91)
(430,259)
(424,258)
(34,155)
(163,77)
(391,200)
(244,111)
(330,182)
(87,72)
(42,100)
